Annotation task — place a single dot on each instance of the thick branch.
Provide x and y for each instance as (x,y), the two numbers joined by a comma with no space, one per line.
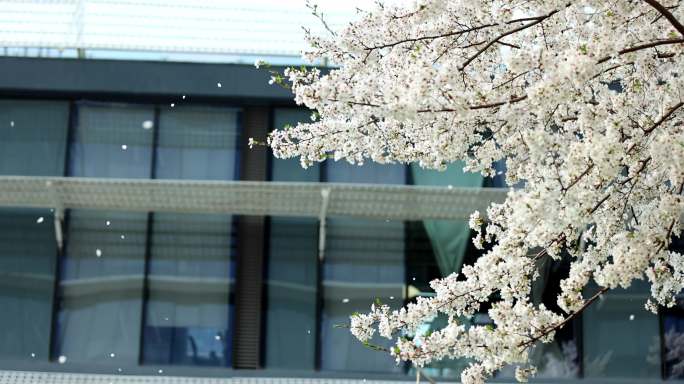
(664,118)
(668,15)
(644,46)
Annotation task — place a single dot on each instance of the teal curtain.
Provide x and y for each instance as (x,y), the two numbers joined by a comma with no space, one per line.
(449,239)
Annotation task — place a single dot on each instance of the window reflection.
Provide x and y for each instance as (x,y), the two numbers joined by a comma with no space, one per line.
(364,260)
(191,266)
(101,287)
(33,137)
(291,278)
(109,141)
(27,259)
(621,338)
(291,293)
(103,265)
(673,340)
(33,143)
(197,143)
(187,318)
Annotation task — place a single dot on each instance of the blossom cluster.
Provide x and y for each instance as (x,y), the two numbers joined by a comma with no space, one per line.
(582,100)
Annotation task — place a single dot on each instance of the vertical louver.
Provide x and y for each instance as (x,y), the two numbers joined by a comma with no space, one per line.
(248,291)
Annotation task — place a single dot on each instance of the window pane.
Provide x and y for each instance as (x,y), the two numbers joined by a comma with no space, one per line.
(187,317)
(111,141)
(33,137)
(621,338)
(197,143)
(292,268)
(191,266)
(291,292)
(101,287)
(103,265)
(673,340)
(27,257)
(364,260)
(33,144)
(369,172)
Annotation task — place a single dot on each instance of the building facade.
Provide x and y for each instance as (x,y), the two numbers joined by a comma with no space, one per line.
(121,294)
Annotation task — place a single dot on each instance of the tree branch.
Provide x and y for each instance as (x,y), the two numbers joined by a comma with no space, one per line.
(536,21)
(431,37)
(512,100)
(664,118)
(644,46)
(667,14)
(565,321)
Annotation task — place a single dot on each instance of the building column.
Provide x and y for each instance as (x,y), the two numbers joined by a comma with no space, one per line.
(251,248)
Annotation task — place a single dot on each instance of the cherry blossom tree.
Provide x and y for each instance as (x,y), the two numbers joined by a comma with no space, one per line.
(582,100)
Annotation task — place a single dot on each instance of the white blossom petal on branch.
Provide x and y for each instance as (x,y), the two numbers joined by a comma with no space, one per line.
(584,101)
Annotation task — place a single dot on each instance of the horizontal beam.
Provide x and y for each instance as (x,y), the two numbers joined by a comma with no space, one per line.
(162,81)
(375,201)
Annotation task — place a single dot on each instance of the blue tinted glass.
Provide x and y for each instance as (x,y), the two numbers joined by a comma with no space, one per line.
(621,338)
(27,259)
(33,143)
(111,141)
(197,143)
(292,270)
(364,260)
(103,265)
(190,281)
(33,137)
(190,273)
(101,287)
(369,172)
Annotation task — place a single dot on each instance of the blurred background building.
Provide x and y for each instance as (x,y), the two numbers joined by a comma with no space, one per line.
(142,241)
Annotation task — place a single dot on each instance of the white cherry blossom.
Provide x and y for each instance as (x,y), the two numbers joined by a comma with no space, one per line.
(583,101)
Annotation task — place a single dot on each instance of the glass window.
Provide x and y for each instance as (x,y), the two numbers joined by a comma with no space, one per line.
(191,266)
(197,143)
(621,338)
(33,137)
(101,287)
(33,144)
(292,270)
(189,281)
(27,262)
(370,172)
(103,265)
(364,260)
(112,140)
(673,340)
